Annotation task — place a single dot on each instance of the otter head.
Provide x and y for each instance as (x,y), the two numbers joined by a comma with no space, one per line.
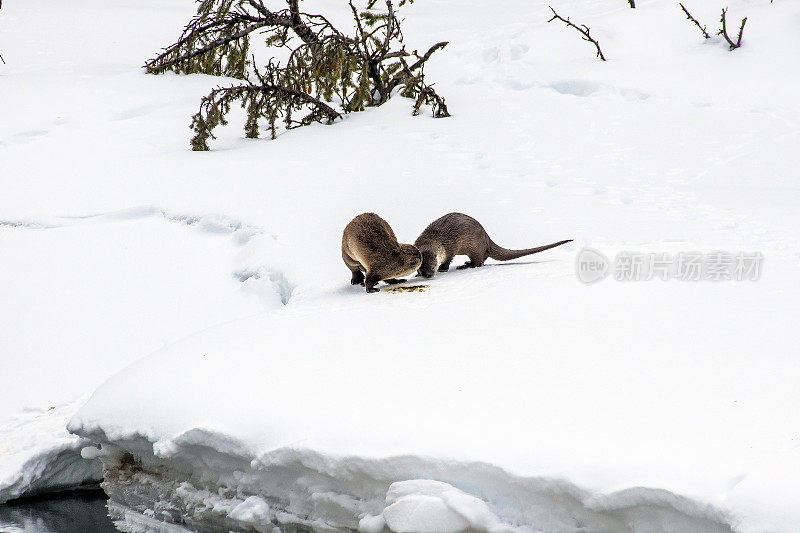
(410,258)
(429,264)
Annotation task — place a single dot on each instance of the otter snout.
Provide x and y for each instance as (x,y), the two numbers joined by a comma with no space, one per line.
(426,273)
(429,265)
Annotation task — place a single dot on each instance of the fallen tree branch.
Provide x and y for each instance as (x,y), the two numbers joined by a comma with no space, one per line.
(326,74)
(584,30)
(724,31)
(216,105)
(415,87)
(690,17)
(161,64)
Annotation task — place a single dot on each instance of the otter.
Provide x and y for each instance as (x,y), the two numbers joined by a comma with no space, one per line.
(370,247)
(459,234)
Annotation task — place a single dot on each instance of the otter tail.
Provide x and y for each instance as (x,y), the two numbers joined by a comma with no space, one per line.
(504,254)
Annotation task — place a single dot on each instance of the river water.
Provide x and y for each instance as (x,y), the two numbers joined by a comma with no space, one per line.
(70,512)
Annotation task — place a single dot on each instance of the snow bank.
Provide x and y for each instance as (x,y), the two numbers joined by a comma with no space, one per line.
(88,296)
(200,487)
(491,379)
(40,456)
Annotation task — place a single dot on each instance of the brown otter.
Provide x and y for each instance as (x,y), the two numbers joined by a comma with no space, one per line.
(459,234)
(369,246)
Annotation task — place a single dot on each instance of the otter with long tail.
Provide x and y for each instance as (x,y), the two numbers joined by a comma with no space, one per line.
(460,234)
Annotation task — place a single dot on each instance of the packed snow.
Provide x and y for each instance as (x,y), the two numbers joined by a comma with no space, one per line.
(84,298)
(240,381)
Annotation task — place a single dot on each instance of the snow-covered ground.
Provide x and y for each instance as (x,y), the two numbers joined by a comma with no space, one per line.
(510,396)
(85,297)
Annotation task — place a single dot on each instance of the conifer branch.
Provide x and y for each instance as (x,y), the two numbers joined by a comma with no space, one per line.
(218,102)
(161,64)
(327,73)
(584,30)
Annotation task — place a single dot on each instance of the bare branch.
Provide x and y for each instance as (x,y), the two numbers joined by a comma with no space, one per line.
(724,31)
(690,17)
(361,42)
(428,96)
(389,31)
(584,30)
(421,60)
(299,27)
(408,71)
(398,53)
(741,30)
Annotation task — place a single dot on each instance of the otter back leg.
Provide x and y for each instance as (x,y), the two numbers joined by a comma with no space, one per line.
(357,278)
(475,260)
(370,281)
(355,267)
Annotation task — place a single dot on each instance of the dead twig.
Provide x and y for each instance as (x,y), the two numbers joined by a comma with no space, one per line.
(690,17)
(584,30)
(1,57)
(724,31)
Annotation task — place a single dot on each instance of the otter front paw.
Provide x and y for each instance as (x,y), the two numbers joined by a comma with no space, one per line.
(373,289)
(394,281)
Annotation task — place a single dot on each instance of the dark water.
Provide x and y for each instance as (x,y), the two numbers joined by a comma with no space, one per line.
(69,512)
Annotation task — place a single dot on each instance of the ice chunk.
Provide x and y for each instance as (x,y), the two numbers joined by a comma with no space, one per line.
(418,513)
(429,506)
(253,510)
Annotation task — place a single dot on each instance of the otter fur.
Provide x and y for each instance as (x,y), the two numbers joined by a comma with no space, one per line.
(459,234)
(371,252)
